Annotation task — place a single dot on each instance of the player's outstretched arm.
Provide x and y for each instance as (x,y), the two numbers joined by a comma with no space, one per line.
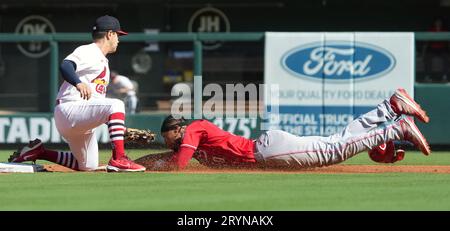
(167,161)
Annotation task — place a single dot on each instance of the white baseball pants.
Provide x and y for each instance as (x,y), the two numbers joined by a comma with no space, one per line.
(76,122)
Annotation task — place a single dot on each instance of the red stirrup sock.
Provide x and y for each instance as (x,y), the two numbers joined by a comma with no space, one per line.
(116,127)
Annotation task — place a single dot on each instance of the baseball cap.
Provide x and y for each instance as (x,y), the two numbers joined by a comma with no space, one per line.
(106,23)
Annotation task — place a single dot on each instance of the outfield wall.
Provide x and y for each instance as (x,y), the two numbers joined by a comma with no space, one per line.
(20,128)
(434,99)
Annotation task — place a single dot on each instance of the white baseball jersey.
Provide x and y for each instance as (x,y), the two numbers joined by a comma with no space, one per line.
(76,118)
(92,69)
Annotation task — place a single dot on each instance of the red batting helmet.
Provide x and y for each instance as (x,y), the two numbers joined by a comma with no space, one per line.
(386,153)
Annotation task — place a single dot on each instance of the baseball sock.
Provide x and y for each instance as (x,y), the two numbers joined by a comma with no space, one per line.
(60,157)
(116,127)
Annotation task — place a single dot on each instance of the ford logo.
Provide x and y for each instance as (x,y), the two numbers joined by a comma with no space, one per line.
(338,60)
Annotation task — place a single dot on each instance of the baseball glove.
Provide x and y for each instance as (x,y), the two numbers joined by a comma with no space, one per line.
(139,136)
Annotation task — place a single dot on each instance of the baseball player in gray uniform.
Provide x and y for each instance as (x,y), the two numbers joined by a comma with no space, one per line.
(214,147)
(382,125)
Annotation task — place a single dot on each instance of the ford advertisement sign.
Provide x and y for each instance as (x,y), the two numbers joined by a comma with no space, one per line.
(324,80)
(338,60)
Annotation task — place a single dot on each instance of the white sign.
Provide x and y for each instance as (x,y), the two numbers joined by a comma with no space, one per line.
(327,79)
(34,25)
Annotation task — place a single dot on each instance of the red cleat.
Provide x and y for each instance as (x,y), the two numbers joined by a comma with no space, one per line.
(402,103)
(411,133)
(30,152)
(124,164)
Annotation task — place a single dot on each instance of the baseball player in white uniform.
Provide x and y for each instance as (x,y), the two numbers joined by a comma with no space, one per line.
(82,106)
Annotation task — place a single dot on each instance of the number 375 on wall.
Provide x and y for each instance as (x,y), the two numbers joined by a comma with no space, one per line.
(239,126)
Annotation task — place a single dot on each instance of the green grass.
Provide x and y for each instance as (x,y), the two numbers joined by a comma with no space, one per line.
(244,191)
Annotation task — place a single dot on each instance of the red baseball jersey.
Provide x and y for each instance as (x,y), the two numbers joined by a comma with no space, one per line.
(213,147)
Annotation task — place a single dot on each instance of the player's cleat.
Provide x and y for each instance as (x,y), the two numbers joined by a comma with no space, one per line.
(30,152)
(411,133)
(124,164)
(402,103)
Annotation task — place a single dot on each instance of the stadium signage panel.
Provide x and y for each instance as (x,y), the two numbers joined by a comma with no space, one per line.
(21,129)
(326,79)
(337,60)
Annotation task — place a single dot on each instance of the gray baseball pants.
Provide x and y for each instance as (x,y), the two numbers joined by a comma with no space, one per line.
(278,148)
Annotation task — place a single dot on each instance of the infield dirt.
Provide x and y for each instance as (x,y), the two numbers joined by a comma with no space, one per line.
(323,170)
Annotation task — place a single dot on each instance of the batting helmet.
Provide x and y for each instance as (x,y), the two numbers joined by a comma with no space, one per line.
(386,153)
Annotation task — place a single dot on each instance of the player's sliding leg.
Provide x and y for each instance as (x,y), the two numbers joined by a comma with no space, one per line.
(404,104)
(35,150)
(367,131)
(282,149)
(383,113)
(401,103)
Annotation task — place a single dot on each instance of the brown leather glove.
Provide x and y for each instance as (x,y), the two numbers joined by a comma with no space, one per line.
(139,136)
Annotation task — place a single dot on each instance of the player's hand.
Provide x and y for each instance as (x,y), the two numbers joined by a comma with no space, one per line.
(85,91)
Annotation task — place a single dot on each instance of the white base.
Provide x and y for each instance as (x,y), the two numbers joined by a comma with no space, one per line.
(110,168)
(18,167)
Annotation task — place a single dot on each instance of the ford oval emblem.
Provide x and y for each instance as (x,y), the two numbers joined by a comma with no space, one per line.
(338,60)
